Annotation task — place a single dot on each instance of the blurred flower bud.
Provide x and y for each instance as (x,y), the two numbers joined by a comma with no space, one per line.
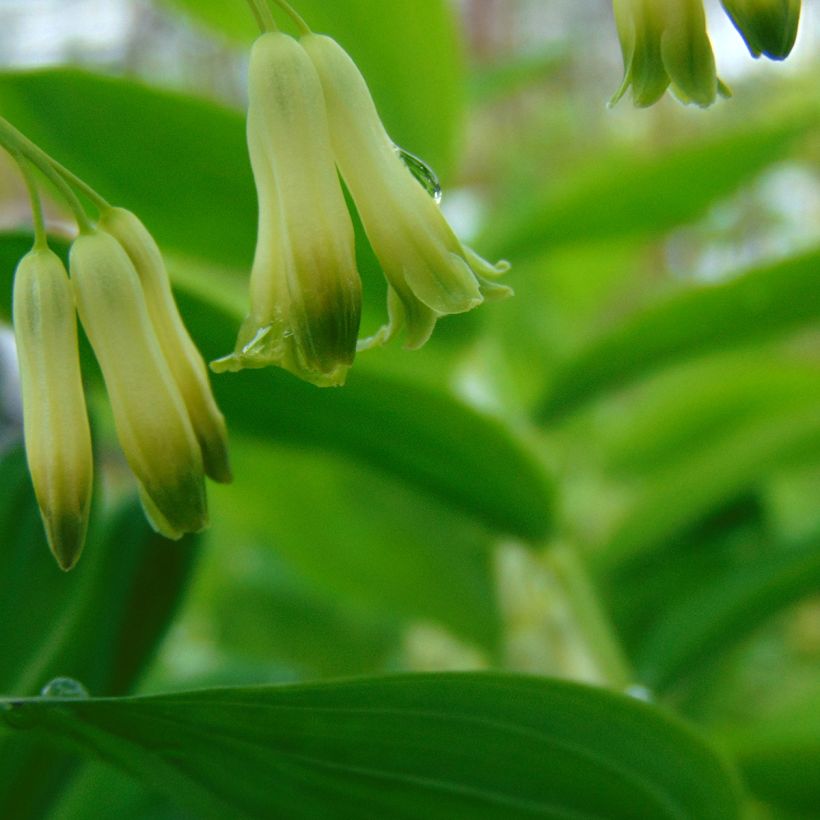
(183,358)
(58,442)
(665,42)
(149,413)
(768,26)
(429,272)
(305,288)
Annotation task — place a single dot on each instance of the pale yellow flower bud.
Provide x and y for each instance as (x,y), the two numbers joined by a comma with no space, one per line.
(429,271)
(182,356)
(58,442)
(768,26)
(305,288)
(151,419)
(665,42)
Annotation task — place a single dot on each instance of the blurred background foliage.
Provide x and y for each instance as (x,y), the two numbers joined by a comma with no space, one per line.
(611,478)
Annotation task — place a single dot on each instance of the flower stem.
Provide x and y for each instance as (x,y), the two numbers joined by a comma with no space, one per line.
(19,146)
(294,15)
(40,235)
(262,14)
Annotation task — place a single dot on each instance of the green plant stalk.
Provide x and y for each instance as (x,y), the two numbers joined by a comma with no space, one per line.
(262,14)
(18,145)
(594,628)
(294,15)
(40,235)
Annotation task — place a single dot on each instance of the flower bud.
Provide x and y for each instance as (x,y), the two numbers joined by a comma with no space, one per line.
(429,272)
(183,358)
(149,414)
(768,26)
(305,288)
(663,42)
(58,441)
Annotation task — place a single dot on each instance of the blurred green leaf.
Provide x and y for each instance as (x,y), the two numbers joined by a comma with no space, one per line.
(703,627)
(488,83)
(179,162)
(780,756)
(377,548)
(410,58)
(754,307)
(629,195)
(683,407)
(479,746)
(679,496)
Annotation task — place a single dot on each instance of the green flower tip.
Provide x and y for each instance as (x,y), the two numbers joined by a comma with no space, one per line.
(305,287)
(665,43)
(769,27)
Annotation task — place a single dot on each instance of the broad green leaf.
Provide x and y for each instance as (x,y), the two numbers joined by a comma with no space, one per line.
(410,58)
(684,493)
(466,458)
(682,408)
(780,756)
(629,195)
(756,306)
(700,629)
(424,436)
(478,746)
(99,625)
(181,163)
(377,548)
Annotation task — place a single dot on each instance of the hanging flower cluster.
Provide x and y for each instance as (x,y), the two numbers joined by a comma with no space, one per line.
(665,43)
(311,118)
(167,422)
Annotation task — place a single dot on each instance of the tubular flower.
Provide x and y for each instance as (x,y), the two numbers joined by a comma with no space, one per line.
(58,441)
(429,272)
(150,416)
(768,26)
(665,42)
(305,288)
(187,366)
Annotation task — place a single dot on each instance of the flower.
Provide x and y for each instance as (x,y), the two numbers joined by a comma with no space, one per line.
(429,272)
(665,42)
(150,415)
(305,287)
(187,366)
(55,421)
(768,26)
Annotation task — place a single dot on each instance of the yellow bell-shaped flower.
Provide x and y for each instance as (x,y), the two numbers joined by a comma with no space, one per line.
(186,363)
(150,416)
(55,421)
(665,42)
(429,272)
(305,301)
(768,26)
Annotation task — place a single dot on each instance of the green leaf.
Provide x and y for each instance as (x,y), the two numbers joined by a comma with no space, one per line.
(478,746)
(468,459)
(684,493)
(700,629)
(99,625)
(683,407)
(759,305)
(629,195)
(780,756)
(181,163)
(377,548)
(410,58)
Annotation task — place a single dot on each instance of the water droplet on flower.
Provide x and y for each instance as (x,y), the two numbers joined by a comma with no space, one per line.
(425,175)
(65,688)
